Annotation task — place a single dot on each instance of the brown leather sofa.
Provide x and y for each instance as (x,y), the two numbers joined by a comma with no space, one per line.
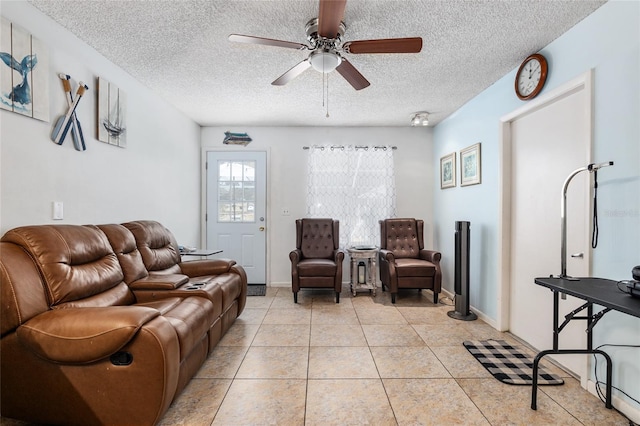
(317,261)
(90,336)
(404,262)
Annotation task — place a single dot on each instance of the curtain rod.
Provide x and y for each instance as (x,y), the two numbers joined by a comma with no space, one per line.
(341,147)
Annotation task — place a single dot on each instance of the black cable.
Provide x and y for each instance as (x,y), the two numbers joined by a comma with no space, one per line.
(594,235)
(598,382)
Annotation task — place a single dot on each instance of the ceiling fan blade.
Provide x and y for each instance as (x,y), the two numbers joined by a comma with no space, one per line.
(292,73)
(239,38)
(352,75)
(387,45)
(330,17)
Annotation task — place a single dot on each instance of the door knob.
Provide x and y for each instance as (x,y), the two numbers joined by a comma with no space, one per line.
(577,255)
(261,228)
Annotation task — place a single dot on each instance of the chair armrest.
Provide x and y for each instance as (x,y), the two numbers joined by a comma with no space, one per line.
(83,335)
(295,256)
(387,255)
(431,255)
(159,282)
(338,256)
(198,268)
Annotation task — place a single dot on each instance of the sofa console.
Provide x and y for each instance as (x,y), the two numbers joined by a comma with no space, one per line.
(105,325)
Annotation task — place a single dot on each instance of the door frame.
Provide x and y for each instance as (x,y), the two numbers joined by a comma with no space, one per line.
(203,198)
(583,82)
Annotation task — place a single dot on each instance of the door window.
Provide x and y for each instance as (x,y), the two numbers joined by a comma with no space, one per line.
(236,191)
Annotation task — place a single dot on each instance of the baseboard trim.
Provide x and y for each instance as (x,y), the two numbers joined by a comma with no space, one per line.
(633,413)
(481,315)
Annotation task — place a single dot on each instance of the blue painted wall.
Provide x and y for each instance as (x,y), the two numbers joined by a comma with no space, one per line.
(607,41)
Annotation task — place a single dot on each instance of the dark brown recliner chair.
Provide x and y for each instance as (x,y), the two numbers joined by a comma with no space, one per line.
(317,261)
(404,262)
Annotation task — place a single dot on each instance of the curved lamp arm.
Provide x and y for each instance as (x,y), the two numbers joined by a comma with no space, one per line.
(563,212)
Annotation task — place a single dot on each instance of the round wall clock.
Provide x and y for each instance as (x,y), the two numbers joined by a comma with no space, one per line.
(531,77)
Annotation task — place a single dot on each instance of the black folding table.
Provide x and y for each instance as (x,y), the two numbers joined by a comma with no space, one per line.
(598,291)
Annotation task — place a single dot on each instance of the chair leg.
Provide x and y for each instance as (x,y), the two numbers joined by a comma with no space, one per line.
(393,298)
(435,298)
(337,297)
(295,297)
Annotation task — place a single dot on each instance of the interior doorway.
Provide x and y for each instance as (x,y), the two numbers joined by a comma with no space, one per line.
(542,143)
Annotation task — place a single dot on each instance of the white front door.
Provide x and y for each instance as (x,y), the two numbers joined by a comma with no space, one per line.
(236,209)
(548,144)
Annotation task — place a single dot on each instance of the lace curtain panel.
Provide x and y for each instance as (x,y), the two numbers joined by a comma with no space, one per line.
(355,185)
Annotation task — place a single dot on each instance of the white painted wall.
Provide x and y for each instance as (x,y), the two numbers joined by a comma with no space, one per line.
(607,41)
(155,177)
(287,175)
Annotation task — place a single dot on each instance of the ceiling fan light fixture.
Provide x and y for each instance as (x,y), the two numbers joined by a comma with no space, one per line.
(324,61)
(420,118)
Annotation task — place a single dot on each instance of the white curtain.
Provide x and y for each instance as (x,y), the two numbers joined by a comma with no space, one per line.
(354,184)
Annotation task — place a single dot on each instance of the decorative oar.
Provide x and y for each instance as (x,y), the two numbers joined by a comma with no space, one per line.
(76,128)
(64,123)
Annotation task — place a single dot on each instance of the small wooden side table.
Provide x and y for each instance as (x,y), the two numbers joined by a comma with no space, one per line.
(369,255)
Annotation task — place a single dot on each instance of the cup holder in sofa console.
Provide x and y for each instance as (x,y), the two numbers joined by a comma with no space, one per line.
(193,287)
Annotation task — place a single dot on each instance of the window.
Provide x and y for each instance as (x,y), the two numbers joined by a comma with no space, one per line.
(355,185)
(236,191)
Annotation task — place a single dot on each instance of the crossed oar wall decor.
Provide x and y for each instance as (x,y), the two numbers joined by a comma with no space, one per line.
(70,120)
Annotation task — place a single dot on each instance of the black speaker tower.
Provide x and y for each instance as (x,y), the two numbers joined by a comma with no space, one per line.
(461,277)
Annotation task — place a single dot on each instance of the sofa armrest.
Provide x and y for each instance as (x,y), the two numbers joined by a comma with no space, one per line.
(198,268)
(83,335)
(159,282)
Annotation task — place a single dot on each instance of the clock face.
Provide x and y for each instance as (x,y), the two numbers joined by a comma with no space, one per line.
(531,77)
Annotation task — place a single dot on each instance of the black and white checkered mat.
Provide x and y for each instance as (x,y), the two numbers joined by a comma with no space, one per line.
(508,364)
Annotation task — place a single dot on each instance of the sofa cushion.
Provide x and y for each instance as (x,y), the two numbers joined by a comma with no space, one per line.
(157,245)
(124,246)
(76,262)
(191,318)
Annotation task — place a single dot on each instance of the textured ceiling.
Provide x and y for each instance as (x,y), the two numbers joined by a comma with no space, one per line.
(179,49)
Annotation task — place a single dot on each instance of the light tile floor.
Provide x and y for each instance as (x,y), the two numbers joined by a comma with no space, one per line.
(364,361)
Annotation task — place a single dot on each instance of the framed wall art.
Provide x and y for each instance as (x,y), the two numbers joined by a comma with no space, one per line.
(112,114)
(470,165)
(448,171)
(24,72)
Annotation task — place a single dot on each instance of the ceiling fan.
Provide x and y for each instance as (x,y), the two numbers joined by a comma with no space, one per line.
(324,34)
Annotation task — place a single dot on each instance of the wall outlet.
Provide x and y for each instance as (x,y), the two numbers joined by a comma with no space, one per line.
(58,210)
(286,212)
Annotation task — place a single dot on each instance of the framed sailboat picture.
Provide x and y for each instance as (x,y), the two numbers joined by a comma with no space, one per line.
(112,113)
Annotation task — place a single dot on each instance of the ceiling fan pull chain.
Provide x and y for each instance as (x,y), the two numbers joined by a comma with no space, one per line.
(327,96)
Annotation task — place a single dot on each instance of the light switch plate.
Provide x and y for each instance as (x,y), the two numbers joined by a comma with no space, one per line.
(58,210)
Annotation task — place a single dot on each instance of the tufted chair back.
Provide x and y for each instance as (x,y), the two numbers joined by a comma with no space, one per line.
(403,237)
(317,238)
